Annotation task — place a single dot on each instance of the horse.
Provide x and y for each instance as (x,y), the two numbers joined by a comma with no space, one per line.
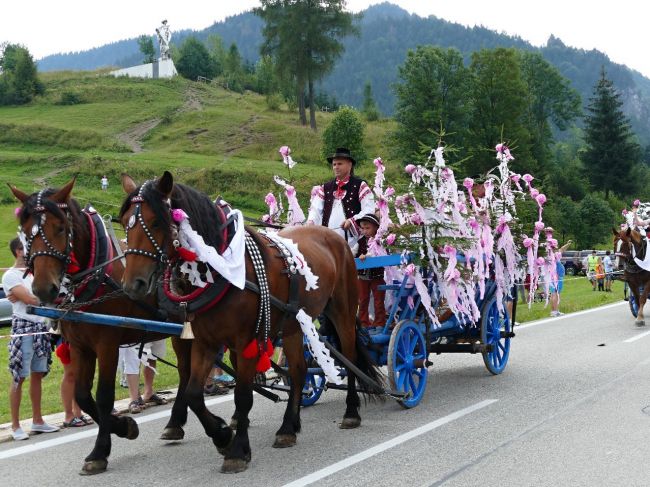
(151,234)
(628,244)
(58,239)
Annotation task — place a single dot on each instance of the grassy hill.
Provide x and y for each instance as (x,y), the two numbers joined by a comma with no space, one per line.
(217,141)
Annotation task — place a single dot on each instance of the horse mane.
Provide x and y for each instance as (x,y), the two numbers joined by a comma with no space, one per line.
(29,210)
(201,211)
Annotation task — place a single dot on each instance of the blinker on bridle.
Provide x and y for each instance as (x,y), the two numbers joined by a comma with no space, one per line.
(136,217)
(40,217)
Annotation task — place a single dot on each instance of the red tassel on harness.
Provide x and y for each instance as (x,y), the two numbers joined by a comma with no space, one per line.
(186,255)
(73,266)
(251,350)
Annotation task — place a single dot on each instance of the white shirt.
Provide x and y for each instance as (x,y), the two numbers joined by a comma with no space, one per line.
(337,216)
(12,278)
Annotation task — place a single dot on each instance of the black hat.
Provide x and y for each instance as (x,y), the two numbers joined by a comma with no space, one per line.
(342,153)
(369,217)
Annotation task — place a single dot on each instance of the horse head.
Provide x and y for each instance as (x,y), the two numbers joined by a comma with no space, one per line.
(47,224)
(150,233)
(629,243)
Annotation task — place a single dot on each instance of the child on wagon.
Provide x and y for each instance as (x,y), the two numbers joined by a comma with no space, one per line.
(370,279)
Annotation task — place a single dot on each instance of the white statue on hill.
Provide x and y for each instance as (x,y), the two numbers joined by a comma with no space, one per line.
(164,36)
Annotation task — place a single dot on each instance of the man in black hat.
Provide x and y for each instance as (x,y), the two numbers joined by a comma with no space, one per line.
(340,202)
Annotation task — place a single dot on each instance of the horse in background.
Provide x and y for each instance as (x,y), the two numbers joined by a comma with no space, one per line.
(59,239)
(629,244)
(151,255)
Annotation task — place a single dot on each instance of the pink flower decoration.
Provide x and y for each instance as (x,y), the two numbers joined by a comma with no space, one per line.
(410,269)
(461,207)
(552,242)
(624,212)
(473,223)
(468,183)
(499,147)
(285,150)
(416,219)
(178,215)
(528,242)
(541,199)
(270,199)
(515,178)
(534,193)
(399,201)
(390,240)
(290,190)
(540,261)
(539,226)
(17,211)
(528,178)
(267,219)
(378,162)
(637,202)
(446,173)
(390,191)
(410,169)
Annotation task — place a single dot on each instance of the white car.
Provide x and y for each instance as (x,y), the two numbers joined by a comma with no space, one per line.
(5,308)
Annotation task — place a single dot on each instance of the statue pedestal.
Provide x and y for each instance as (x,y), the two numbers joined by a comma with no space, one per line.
(159,69)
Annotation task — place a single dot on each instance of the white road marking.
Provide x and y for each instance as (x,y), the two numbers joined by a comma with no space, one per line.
(637,337)
(568,315)
(62,440)
(370,452)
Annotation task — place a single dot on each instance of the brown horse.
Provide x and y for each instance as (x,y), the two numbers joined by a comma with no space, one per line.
(59,243)
(629,244)
(146,214)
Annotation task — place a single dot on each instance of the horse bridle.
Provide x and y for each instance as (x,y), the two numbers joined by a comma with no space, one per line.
(631,252)
(136,217)
(40,218)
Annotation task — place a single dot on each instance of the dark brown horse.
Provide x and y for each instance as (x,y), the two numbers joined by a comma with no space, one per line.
(146,214)
(59,242)
(630,244)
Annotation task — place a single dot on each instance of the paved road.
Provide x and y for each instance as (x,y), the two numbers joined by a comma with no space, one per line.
(571,409)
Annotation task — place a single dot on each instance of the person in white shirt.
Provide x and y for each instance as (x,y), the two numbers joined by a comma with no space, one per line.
(340,202)
(30,352)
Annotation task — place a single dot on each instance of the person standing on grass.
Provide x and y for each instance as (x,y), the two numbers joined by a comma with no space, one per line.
(592,262)
(609,271)
(104,183)
(30,352)
(557,289)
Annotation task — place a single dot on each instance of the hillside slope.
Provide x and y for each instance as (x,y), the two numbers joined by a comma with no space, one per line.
(217,141)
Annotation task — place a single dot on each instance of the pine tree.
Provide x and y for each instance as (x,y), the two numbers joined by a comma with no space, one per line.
(611,153)
(369,109)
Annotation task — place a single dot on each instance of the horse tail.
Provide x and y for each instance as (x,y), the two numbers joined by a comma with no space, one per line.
(367,365)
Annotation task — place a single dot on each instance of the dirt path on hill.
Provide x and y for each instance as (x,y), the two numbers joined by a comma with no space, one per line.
(133,137)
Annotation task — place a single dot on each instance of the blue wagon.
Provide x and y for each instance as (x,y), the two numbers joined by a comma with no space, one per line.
(408,338)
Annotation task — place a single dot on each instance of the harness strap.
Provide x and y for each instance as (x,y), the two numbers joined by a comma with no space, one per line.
(108,221)
(278,303)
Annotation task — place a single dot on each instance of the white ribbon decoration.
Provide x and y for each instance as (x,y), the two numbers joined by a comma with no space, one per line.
(317,349)
(231,264)
(298,259)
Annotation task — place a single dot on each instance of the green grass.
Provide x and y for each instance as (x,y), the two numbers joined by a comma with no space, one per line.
(576,295)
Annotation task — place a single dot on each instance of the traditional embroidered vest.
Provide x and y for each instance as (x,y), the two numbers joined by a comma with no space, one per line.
(351,203)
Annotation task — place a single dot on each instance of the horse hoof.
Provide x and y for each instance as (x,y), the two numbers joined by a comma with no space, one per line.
(640,323)
(350,423)
(132,430)
(284,441)
(172,434)
(93,467)
(234,465)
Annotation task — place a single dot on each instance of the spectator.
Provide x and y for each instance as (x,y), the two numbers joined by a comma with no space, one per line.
(370,279)
(104,183)
(218,381)
(30,352)
(556,290)
(600,274)
(132,371)
(609,271)
(592,261)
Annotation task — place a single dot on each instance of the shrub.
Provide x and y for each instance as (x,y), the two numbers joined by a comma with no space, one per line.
(70,98)
(345,130)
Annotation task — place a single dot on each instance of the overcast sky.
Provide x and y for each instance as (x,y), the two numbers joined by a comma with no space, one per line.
(618,28)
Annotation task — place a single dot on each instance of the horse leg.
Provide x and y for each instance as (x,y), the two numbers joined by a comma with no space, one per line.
(640,320)
(124,427)
(216,428)
(174,429)
(239,453)
(293,349)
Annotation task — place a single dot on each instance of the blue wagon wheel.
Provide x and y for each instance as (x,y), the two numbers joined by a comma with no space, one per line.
(407,355)
(312,390)
(494,325)
(634,306)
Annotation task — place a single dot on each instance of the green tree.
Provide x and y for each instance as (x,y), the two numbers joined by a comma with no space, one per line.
(550,100)
(345,130)
(594,222)
(233,70)
(217,53)
(369,109)
(611,153)
(145,43)
(19,82)
(499,103)
(194,60)
(303,37)
(432,93)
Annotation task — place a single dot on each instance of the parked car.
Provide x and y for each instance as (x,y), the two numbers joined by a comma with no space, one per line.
(5,308)
(575,261)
